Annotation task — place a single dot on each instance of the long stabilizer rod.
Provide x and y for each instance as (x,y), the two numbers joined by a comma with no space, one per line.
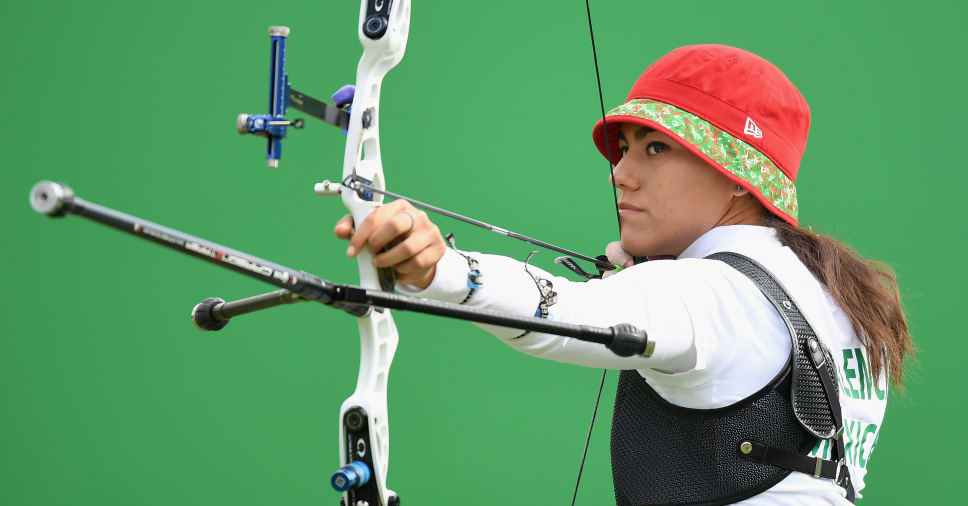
(56,199)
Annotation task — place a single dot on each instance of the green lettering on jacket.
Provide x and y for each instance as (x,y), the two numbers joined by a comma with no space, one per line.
(850,373)
(870,429)
(863,374)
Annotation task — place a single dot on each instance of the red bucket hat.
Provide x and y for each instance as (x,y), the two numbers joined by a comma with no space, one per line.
(731,108)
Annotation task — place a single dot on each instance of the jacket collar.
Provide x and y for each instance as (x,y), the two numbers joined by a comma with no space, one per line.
(736,238)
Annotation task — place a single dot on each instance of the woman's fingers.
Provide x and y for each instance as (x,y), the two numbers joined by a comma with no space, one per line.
(386,225)
(408,247)
(617,255)
(400,236)
(372,223)
(420,269)
(397,226)
(344,227)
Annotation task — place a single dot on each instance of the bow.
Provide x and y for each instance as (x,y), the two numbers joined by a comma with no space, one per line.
(364,433)
(364,429)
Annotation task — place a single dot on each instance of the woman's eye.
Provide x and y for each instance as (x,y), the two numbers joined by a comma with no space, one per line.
(624,149)
(656,147)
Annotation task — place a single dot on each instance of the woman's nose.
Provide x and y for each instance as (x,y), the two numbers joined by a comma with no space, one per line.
(620,177)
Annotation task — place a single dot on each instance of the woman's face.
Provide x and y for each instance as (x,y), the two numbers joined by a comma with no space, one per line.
(668,197)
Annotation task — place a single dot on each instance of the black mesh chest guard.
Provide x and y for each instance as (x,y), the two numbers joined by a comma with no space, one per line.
(663,454)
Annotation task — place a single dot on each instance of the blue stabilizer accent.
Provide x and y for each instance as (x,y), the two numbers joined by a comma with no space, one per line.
(367,194)
(352,475)
(470,277)
(344,96)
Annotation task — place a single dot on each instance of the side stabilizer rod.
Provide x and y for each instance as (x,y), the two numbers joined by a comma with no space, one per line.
(214,313)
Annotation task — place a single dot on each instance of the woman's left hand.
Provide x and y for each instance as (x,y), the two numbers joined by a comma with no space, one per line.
(412,242)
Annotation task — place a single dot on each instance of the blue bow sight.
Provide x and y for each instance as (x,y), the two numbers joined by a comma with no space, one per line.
(272,126)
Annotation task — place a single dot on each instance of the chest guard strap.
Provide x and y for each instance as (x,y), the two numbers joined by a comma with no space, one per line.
(815,396)
(663,454)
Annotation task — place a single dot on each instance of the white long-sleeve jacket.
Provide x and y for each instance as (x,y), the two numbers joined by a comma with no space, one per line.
(717,338)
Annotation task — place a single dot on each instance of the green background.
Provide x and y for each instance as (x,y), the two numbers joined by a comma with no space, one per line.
(110,396)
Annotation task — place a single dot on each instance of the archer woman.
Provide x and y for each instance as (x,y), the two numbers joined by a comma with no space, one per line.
(773,345)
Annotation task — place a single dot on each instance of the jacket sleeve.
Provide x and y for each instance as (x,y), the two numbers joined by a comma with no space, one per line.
(675,302)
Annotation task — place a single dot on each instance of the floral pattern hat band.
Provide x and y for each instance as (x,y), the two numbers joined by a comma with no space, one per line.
(731,108)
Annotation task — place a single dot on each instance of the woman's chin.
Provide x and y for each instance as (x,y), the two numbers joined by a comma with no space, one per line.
(637,247)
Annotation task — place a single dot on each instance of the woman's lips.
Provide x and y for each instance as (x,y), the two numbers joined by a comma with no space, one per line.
(626,209)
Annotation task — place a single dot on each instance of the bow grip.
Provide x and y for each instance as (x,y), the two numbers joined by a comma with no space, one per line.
(628,341)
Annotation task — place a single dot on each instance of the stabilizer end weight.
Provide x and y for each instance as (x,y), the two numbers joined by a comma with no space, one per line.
(205,314)
(50,198)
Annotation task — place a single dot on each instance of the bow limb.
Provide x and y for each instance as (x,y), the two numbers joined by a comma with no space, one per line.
(363,425)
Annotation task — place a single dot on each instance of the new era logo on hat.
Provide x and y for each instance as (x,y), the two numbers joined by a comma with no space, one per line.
(752,129)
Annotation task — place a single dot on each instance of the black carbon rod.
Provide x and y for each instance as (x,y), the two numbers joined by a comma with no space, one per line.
(358,295)
(259,302)
(55,199)
(214,313)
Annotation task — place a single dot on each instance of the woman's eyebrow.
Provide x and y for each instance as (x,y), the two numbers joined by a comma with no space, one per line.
(639,134)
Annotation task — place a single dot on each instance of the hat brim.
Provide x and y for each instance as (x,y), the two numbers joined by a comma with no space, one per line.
(730,156)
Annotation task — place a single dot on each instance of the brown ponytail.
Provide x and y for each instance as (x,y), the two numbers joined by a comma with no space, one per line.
(866,290)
